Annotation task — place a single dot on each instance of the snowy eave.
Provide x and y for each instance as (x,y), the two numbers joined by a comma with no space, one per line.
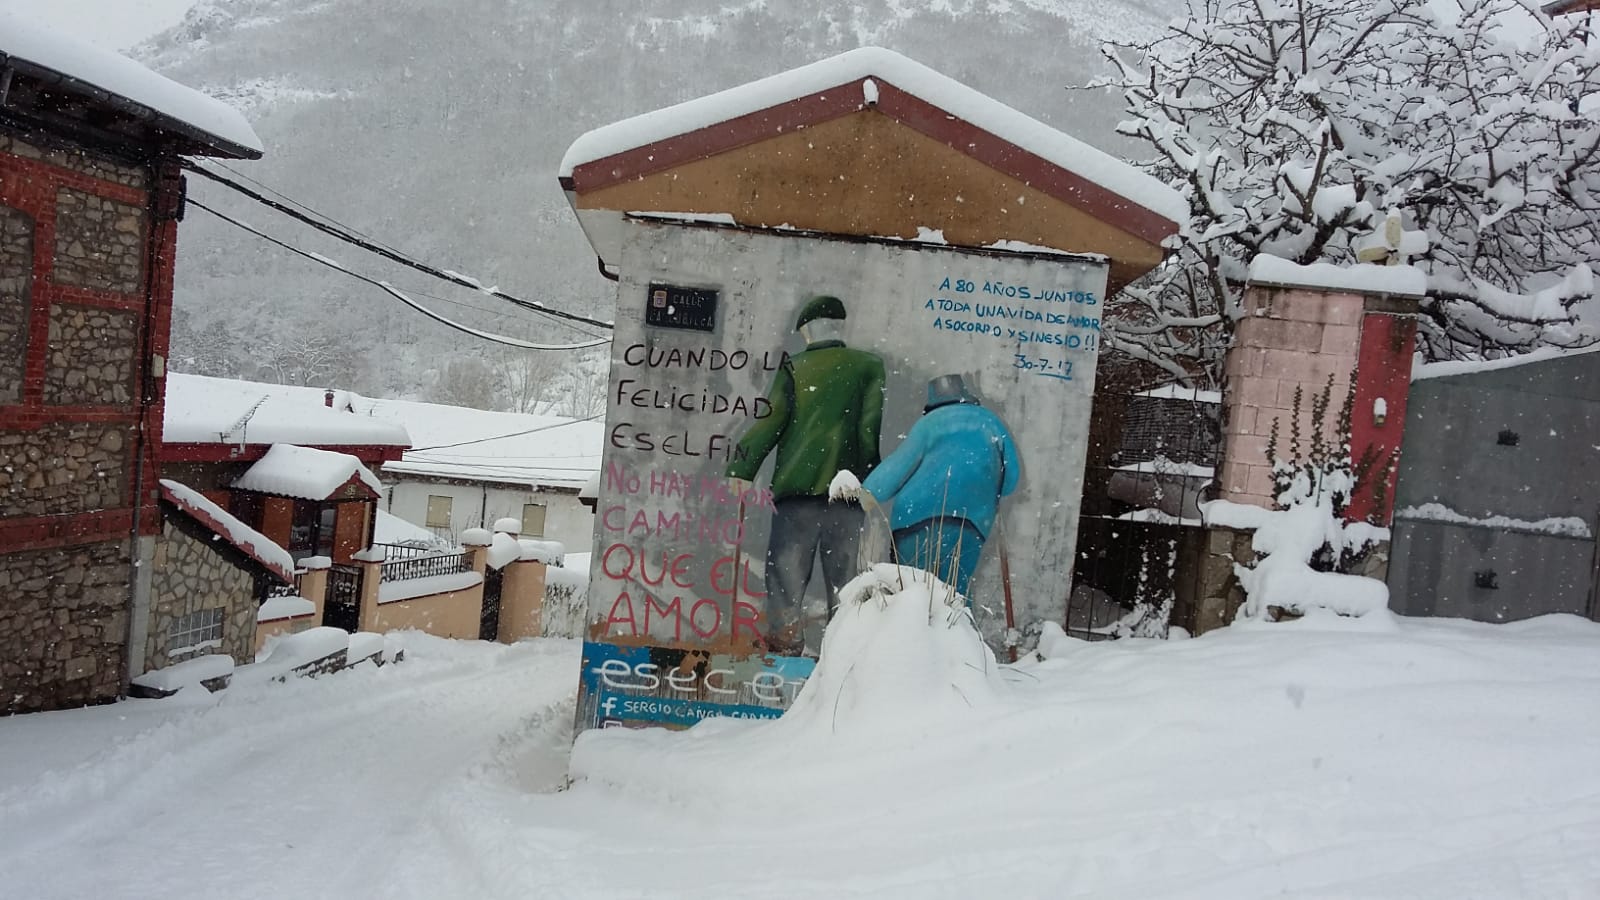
(866,70)
(225,525)
(1365,278)
(118,81)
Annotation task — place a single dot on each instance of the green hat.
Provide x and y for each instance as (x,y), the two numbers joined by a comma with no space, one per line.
(820,307)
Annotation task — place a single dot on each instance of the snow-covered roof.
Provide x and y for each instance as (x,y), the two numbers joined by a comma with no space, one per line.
(109,77)
(878,65)
(306,473)
(247,540)
(482,445)
(1364,278)
(202,410)
(1449,367)
(452,441)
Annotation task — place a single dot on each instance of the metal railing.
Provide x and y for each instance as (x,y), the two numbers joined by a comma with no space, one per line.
(425,567)
(397,552)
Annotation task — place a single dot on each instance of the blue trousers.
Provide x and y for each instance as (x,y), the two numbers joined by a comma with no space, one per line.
(947,546)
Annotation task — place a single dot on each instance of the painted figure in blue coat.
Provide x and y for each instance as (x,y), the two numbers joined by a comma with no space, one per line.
(945,481)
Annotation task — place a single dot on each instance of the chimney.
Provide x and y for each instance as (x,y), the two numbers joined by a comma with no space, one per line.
(327,399)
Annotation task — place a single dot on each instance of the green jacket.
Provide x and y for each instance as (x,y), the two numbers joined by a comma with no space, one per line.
(827,405)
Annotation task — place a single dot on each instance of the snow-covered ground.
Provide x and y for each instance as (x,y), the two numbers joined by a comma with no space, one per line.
(1438,759)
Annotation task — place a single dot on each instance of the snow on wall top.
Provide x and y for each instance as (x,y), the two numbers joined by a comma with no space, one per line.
(21,39)
(304,472)
(1446,368)
(249,541)
(203,410)
(946,93)
(1360,279)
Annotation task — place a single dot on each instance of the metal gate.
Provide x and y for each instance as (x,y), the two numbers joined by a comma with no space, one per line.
(1152,455)
(343,607)
(489,619)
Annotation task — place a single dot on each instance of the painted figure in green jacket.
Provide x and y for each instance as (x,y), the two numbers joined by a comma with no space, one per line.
(827,406)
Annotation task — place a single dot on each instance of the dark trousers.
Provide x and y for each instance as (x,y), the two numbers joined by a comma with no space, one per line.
(801,528)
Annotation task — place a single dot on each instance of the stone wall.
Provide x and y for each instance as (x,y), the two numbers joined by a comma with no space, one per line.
(75,160)
(92,353)
(63,467)
(63,626)
(191,574)
(99,243)
(16,280)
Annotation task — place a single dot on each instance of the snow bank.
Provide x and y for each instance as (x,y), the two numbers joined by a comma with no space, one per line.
(885,67)
(547,552)
(187,673)
(116,74)
(1283,578)
(276,608)
(901,647)
(900,661)
(1566,526)
(305,472)
(1364,278)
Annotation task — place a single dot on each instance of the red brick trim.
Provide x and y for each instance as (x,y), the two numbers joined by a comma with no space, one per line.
(904,107)
(369,454)
(44,532)
(60,177)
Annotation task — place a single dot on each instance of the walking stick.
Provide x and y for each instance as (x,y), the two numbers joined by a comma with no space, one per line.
(1005,586)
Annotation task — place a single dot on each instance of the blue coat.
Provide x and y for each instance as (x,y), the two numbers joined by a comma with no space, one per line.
(958,460)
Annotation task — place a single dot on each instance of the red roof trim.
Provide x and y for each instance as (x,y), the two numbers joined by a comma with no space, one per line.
(369,454)
(900,105)
(221,531)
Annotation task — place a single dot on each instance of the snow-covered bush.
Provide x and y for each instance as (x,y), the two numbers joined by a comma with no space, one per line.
(1307,546)
(1343,131)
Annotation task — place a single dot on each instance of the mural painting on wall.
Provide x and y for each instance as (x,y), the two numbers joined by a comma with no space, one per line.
(770,437)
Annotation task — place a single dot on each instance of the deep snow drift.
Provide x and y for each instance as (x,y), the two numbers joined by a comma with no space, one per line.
(1438,759)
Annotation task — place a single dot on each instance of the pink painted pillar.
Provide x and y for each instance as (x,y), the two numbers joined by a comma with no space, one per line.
(1295,336)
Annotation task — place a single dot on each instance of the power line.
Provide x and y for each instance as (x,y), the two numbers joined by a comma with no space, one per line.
(398,295)
(365,244)
(511,435)
(353,230)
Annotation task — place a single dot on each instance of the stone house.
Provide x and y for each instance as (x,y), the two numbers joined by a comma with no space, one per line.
(91,193)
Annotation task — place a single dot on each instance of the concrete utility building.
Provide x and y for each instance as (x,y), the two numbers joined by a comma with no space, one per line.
(90,199)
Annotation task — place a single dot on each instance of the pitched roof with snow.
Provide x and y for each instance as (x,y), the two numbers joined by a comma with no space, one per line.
(202,410)
(220,522)
(307,473)
(66,64)
(921,151)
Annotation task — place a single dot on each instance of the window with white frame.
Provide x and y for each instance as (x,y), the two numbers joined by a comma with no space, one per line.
(195,631)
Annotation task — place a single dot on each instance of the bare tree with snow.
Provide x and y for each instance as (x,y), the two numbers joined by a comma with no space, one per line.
(1347,130)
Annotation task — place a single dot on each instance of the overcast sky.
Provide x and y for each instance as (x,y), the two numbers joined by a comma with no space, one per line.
(112,24)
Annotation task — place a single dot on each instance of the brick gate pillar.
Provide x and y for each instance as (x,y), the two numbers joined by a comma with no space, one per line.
(1301,326)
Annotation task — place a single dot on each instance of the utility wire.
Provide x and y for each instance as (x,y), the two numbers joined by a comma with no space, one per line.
(358,241)
(398,295)
(353,230)
(511,435)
